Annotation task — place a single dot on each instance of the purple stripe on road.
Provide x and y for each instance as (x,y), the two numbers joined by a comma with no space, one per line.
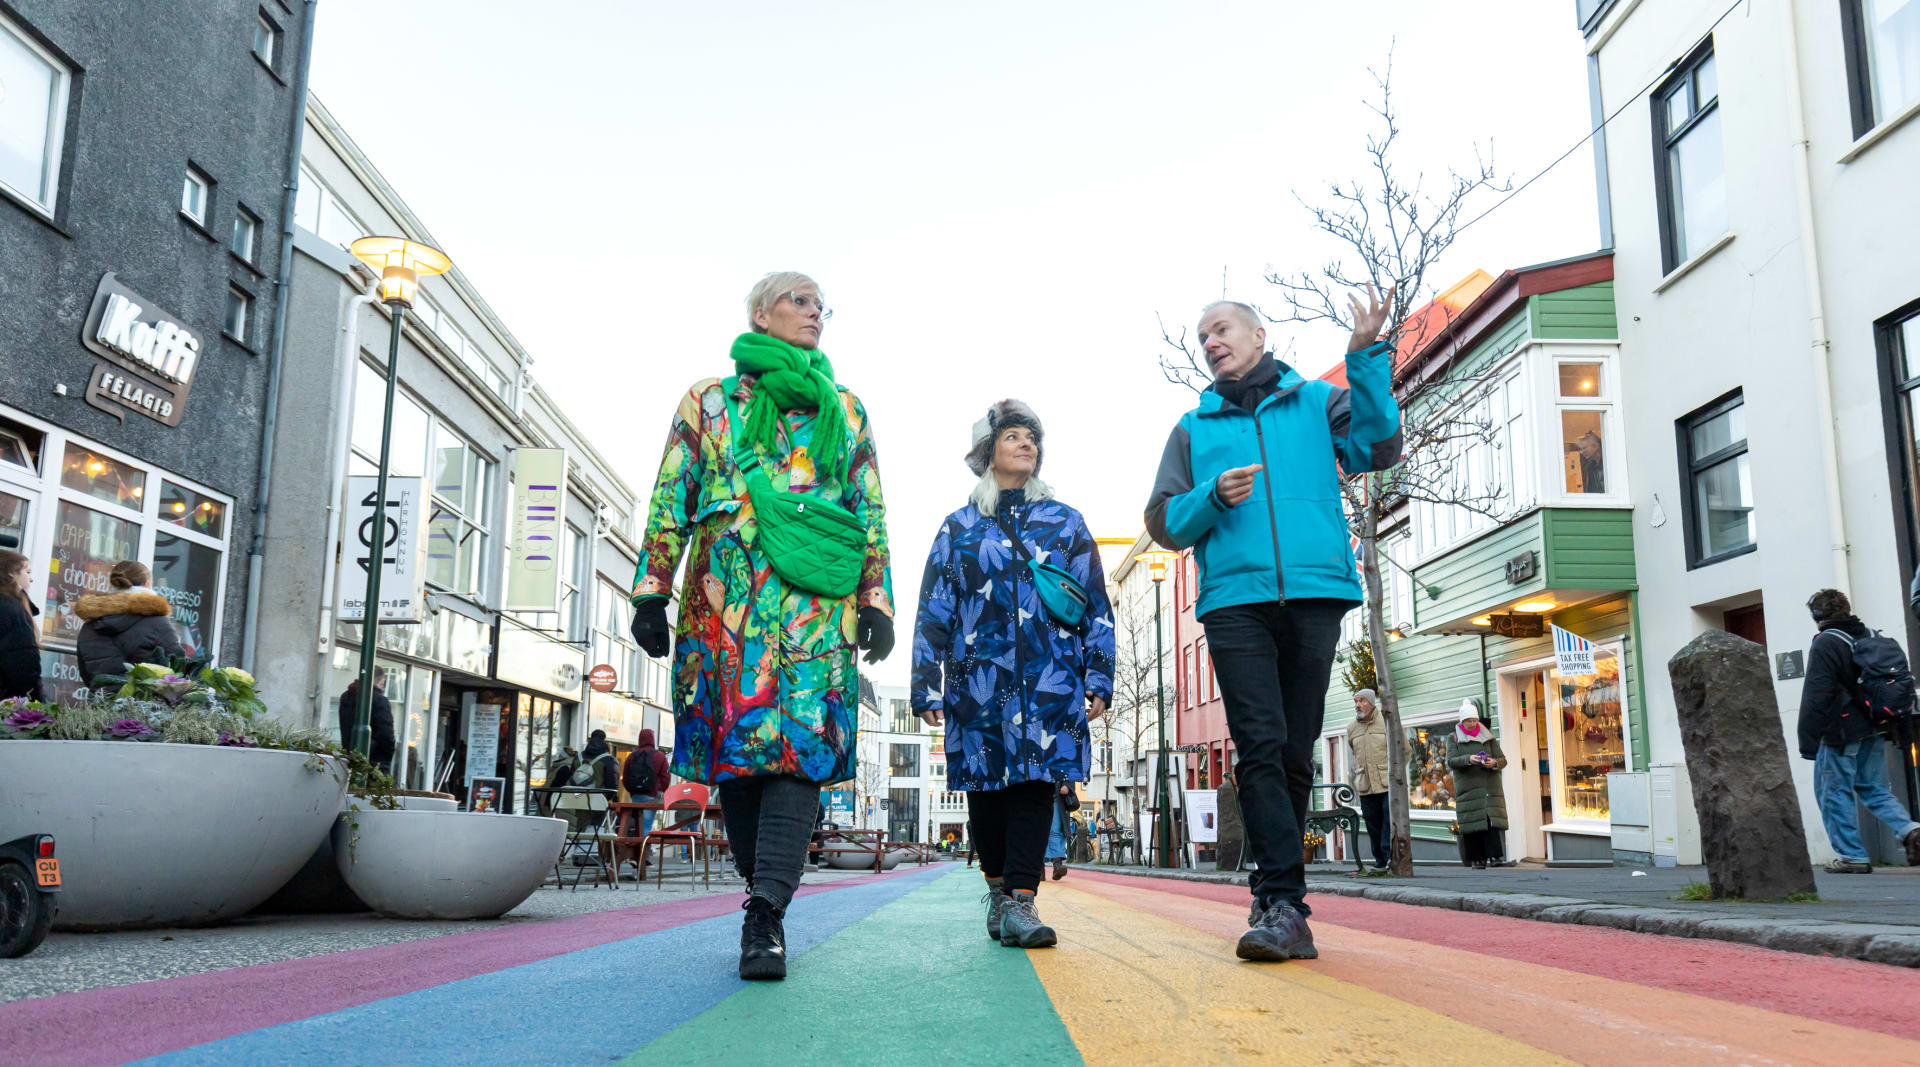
(116,1024)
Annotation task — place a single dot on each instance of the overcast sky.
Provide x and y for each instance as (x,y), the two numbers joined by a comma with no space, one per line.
(997,198)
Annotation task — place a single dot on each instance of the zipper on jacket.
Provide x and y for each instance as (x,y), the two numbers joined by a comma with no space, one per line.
(1019,669)
(1273,524)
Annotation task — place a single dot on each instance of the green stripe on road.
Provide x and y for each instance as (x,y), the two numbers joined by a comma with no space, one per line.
(915,982)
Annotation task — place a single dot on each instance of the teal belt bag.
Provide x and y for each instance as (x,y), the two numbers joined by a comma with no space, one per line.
(1064,598)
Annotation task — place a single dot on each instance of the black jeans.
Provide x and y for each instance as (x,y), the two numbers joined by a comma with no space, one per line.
(769,825)
(1373,806)
(1483,846)
(1010,828)
(1272,661)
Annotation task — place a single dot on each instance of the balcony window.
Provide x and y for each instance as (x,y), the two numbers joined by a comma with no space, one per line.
(33,117)
(1719,484)
(1690,177)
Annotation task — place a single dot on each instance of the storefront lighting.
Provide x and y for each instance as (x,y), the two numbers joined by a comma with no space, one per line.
(1484,620)
(400,264)
(1587,386)
(178,507)
(1535,605)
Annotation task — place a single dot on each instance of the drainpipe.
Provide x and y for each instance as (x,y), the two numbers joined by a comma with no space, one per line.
(346,360)
(282,288)
(1816,308)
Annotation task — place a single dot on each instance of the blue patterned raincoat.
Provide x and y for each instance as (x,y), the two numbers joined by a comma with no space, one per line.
(1012,684)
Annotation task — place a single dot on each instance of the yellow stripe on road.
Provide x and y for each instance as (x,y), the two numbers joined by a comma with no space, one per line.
(1136,988)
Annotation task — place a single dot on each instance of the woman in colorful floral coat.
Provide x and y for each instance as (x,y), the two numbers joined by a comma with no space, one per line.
(1015,688)
(765,692)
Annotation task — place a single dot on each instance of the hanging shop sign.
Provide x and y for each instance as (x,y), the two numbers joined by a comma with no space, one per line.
(1572,654)
(536,523)
(530,659)
(150,355)
(1510,624)
(400,549)
(603,678)
(1523,567)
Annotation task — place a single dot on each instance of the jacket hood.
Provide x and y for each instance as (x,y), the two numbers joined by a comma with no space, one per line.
(1850,623)
(101,605)
(646,740)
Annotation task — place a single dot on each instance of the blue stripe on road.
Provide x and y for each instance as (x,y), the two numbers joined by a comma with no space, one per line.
(587,1007)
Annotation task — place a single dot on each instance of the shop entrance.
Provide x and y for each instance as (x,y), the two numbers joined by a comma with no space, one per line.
(1528,780)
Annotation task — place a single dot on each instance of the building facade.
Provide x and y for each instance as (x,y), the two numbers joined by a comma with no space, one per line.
(900,785)
(1126,738)
(145,154)
(1769,321)
(483,682)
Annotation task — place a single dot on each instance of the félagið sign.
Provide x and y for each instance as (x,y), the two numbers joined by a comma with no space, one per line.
(158,352)
(535,525)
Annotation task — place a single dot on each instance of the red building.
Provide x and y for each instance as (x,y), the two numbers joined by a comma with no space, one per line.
(1200,717)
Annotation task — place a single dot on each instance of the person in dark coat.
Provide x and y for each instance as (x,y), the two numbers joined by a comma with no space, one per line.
(645,776)
(1479,803)
(19,636)
(1848,753)
(129,625)
(380,751)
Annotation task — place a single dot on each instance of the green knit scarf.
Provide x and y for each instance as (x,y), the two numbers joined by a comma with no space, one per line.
(787,378)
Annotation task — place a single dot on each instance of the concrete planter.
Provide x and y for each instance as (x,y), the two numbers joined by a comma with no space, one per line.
(153,834)
(445,864)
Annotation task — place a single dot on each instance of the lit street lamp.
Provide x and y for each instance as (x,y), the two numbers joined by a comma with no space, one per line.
(400,264)
(1157,561)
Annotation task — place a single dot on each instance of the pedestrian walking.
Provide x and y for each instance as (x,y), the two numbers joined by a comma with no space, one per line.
(1248,481)
(1013,653)
(131,624)
(770,489)
(380,747)
(19,633)
(1838,732)
(1061,833)
(1479,802)
(1367,741)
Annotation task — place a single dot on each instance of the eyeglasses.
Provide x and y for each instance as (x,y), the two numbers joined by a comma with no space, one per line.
(807,303)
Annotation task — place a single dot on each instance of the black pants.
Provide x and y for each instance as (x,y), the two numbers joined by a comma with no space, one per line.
(769,825)
(1373,806)
(1010,828)
(1272,661)
(1483,846)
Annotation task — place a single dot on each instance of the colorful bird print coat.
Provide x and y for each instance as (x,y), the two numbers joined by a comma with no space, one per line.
(764,681)
(1012,684)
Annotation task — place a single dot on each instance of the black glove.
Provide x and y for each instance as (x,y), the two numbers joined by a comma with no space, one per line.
(650,626)
(876,633)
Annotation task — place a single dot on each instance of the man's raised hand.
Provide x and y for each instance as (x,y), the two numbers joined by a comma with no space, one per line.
(1236,485)
(1368,318)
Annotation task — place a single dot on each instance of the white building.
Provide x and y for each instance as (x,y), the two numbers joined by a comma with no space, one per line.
(1123,739)
(901,781)
(1757,177)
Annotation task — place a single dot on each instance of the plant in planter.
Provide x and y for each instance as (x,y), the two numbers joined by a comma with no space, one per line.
(172,799)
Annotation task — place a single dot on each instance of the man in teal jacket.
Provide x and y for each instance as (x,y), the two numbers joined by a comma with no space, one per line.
(1248,481)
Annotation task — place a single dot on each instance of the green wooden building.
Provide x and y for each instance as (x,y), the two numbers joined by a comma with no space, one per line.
(1540,346)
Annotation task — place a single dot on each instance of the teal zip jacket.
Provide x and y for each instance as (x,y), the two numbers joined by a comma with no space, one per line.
(1289,538)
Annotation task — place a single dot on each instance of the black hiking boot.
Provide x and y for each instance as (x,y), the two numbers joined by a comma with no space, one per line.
(1276,932)
(763,942)
(1020,925)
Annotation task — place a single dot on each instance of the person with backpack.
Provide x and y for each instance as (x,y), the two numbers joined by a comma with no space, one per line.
(1858,685)
(645,777)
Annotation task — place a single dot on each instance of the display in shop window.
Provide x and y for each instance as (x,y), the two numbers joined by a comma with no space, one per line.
(86,545)
(188,575)
(103,478)
(1430,782)
(1589,711)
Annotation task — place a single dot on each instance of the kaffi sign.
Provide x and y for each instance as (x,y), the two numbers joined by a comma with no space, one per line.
(398,546)
(151,356)
(536,523)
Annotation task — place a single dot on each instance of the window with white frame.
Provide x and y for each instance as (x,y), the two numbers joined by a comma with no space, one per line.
(1399,587)
(78,508)
(33,116)
(316,208)
(238,314)
(246,231)
(196,196)
(1583,405)
(266,39)
(1483,477)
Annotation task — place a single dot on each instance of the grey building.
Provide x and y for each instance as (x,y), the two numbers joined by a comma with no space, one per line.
(477,689)
(145,157)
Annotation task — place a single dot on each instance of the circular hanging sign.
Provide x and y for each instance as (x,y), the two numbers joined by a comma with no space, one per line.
(603,678)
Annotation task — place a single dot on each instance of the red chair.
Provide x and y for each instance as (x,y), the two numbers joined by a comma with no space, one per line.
(682,796)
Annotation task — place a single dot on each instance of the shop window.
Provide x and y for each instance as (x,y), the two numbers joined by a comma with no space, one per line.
(188,575)
(1593,735)
(13,518)
(86,545)
(246,230)
(196,196)
(1883,58)
(1430,780)
(192,511)
(103,478)
(21,445)
(33,122)
(1690,175)
(1719,484)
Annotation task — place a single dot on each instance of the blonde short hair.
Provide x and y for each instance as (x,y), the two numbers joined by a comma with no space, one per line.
(773,287)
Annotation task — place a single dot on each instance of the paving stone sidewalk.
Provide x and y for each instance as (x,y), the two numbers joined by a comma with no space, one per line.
(1872,917)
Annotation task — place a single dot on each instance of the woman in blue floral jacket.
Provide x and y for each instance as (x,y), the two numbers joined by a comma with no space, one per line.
(1015,688)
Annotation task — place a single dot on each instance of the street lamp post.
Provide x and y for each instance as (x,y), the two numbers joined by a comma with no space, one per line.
(1157,561)
(400,263)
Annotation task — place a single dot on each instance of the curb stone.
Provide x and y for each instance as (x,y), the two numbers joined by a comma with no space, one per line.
(1897,946)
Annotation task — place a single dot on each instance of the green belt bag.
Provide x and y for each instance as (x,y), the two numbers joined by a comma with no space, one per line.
(813,543)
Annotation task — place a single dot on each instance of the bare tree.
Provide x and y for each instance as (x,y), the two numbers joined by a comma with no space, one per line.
(1132,715)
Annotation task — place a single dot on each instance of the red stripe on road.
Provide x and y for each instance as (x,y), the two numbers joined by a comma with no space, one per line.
(1867,996)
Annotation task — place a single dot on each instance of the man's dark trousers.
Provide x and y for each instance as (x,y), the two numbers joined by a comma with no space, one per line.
(1373,808)
(1273,661)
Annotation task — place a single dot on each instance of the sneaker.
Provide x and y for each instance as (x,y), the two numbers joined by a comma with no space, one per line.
(1276,932)
(763,941)
(1912,841)
(1842,865)
(1020,925)
(996,899)
(1059,869)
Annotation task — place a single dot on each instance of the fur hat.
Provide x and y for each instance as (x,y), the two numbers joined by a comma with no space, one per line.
(1006,413)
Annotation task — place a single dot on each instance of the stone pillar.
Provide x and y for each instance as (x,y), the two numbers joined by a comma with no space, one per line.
(1751,835)
(1232,829)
